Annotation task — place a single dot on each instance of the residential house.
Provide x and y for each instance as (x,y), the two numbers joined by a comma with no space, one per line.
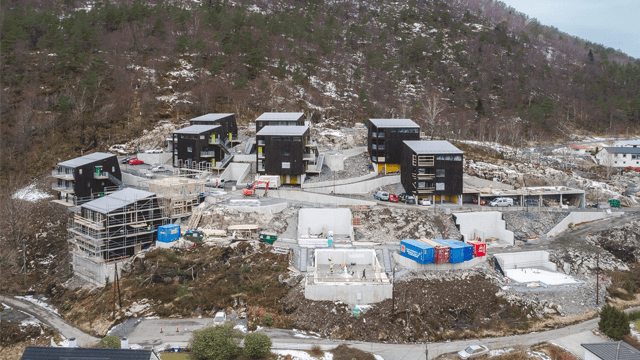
(279,119)
(86,177)
(617,350)
(112,228)
(385,142)
(201,146)
(287,151)
(432,169)
(619,157)
(227,122)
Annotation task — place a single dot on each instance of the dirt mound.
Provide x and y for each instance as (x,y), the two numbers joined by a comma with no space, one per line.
(394,224)
(448,309)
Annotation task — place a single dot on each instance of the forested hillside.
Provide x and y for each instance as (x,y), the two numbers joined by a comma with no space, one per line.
(78,76)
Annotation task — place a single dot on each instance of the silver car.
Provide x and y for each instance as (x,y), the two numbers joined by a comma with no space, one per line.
(473,351)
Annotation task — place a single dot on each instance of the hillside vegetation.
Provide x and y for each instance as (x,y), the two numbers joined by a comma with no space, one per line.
(78,76)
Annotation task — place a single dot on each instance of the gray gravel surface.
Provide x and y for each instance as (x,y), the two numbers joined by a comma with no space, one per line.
(126,328)
(354,166)
(529,223)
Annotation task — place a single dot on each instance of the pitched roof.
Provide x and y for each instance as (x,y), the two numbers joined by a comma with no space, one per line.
(432,147)
(275,116)
(283,130)
(623,150)
(196,129)
(84,160)
(117,200)
(64,353)
(611,351)
(211,117)
(394,123)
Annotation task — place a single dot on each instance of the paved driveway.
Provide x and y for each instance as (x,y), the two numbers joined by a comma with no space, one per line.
(573,342)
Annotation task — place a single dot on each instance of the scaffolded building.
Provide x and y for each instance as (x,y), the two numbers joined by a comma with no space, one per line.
(182,194)
(111,229)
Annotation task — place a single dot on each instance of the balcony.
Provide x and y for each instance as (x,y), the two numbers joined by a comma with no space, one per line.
(309,157)
(261,142)
(64,175)
(207,154)
(260,155)
(426,176)
(215,141)
(260,168)
(425,190)
(312,144)
(63,188)
(100,175)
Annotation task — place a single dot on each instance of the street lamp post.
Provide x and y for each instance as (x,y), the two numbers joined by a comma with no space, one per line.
(393,296)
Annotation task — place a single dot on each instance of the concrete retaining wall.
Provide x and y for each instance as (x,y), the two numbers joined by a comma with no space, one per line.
(314,220)
(483,225)
(525,259)
(339,182)
(346,256)
(348,293)
(335,160)
(132,180)
(410,264)
(363,187)
(317,198)
(478,182)
(578,217)
(236,172)
(262,209)
(244,158)
(161,159)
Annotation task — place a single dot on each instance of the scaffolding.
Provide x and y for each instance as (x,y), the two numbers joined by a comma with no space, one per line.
(99,239)
(182,194)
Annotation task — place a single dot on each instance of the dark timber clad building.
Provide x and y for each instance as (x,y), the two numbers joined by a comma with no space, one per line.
(198,144)
(279,119)
(285,151)
(385,141)
(86,176)
(432,169)
(226,121)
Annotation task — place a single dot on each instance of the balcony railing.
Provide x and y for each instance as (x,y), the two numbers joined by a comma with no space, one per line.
(62,188)
(205,154)
(308,157)
(260,168)
(64,175)
(100,175)
(260,155)
(426,176)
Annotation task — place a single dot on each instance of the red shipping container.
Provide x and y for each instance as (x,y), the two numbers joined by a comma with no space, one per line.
(441,251)
(479,248)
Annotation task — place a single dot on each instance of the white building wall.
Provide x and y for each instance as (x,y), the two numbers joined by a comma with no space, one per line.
(483,225)
(314,220)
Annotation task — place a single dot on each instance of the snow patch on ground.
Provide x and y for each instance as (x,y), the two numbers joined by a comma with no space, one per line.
(530,275)
(241,327)
(300,355)
(499,352)
(31,194)
(39,302)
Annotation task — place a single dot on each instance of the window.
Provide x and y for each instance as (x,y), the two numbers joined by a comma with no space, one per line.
(79,171)
(439,186)
(457,158)
(297,138)
(175,151)
(113,169)
(286,165)
(421,184)
(189,149)
(448,158)
(440,157)
(285,152)
(422,171)
(201,137)
(439,172)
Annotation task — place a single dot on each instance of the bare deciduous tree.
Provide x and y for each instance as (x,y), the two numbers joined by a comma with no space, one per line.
(433,106)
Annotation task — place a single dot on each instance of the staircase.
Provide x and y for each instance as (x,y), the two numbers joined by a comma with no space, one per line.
(115,180)
(387,262)
(250,143)
(303,259)
(227,159)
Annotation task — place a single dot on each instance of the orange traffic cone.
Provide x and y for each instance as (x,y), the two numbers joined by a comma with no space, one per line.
(177,329)
(160,329)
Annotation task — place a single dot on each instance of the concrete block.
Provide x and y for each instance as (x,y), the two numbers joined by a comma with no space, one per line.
(483,225)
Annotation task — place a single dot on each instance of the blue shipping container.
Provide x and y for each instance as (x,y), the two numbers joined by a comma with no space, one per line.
(417,251)
(459,251)
(168,233)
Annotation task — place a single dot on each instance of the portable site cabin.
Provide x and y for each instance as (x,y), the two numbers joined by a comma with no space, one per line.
(441,251)
(417,251)
(459,251)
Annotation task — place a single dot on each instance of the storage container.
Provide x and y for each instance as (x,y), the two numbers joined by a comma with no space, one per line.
(458,251)
(441,255)
(417,251)
(168,233)
(479,248)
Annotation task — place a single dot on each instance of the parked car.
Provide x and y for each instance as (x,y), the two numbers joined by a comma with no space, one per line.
(393,197)
(473,351)
(410,199)
(220,318)
(135,161)
(402,197)
(125,160)
(154,151)
(425,202)
(381,195)
(159,168)
(501,202)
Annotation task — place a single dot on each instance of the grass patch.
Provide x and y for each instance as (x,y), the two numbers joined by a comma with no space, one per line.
(176,356)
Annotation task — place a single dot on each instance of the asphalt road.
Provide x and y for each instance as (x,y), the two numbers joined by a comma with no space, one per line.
(53,320)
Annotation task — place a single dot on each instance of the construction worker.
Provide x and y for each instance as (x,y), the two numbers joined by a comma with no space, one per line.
(364,273)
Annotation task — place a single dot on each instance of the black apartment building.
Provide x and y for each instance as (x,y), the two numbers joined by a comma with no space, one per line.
(283,151)
(198,144)
(227,122)
(432,169)
(86,176)
(385,141)
(279,119)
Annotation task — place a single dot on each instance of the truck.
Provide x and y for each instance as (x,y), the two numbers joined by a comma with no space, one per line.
(273,180)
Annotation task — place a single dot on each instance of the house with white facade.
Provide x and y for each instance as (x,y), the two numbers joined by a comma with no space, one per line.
(619,157)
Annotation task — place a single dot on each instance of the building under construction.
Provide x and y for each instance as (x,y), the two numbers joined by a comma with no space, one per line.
(111,229)
(182,194)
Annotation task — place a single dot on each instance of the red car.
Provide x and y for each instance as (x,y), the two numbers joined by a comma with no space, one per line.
(393,197)
(135,161)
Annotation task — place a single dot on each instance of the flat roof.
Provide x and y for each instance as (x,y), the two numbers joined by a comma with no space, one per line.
(432,147)
(270,130)
(394,123)
(117,200)
(196,129)
(623,150)
(86,159)
(275,116)
(211,117)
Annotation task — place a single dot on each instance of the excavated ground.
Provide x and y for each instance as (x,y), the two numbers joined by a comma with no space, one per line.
(383,224)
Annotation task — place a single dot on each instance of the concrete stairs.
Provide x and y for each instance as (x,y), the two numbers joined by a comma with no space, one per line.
(303,259)
(386,259)
(115,180)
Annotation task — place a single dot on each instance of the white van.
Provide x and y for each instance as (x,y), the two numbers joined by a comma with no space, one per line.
(501,202)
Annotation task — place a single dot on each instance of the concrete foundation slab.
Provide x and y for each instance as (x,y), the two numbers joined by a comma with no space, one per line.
(525,259)
(410,264)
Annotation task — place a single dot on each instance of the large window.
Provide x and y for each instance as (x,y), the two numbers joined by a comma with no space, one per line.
(439,172)
(285,152)
(439,186)
(189,149)
(286,165)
